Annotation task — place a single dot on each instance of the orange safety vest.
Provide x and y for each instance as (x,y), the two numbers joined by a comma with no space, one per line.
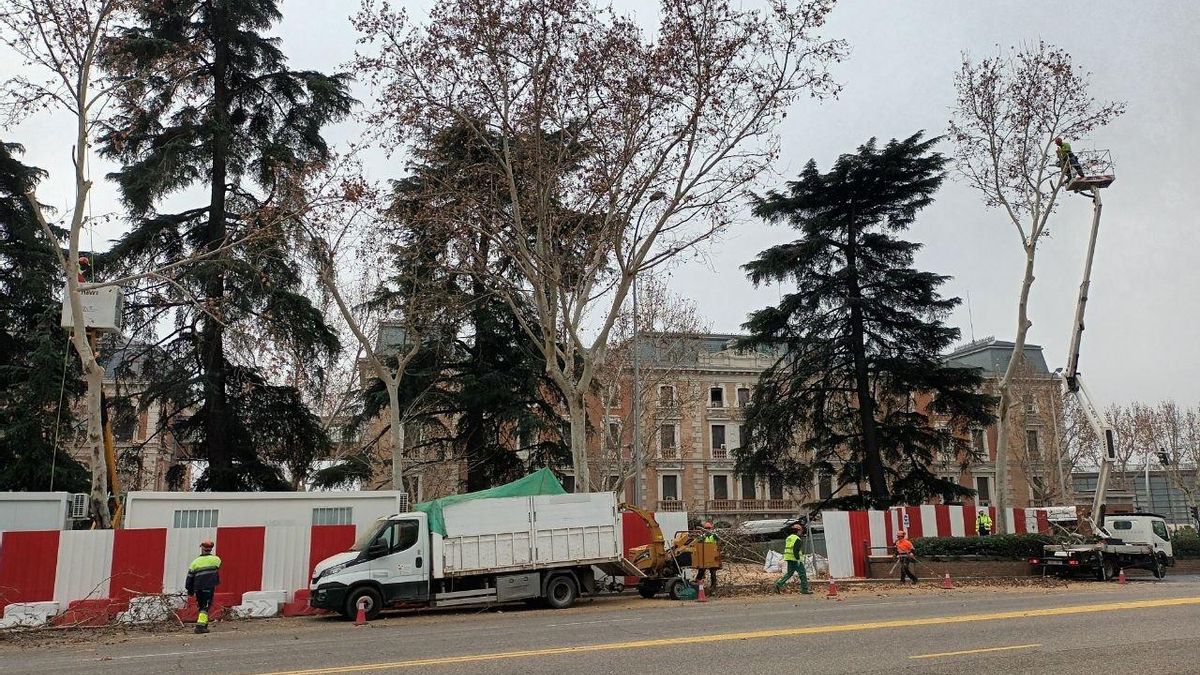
(904,546)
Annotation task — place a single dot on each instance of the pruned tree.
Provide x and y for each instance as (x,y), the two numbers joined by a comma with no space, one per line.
(1007,112)
(60,42)
(661,339)
(1176,434)
(617,150)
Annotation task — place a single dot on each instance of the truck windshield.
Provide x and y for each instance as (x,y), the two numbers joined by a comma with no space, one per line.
(364,540)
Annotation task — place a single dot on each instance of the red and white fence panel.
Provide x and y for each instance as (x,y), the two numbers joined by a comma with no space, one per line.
(851,536)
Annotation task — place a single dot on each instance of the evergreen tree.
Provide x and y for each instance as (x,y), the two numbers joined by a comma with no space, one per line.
(213,104)
(860,339)
(33,384)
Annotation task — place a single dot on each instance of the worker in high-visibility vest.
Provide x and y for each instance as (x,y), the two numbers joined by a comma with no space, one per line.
(707,535)
(905,556)
(983,523)
(204,574)
(793,557)
(1067,159)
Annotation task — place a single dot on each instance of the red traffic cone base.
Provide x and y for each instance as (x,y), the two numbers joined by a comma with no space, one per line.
(946,583)
(700,596)
(361,618)
(1121,577)
(832,592)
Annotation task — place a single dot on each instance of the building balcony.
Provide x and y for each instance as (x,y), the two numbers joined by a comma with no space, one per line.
(669,454)
(720,453)
(752,505)
(672,505)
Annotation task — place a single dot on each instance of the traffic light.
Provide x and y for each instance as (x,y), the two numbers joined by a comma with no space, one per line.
(1163,457)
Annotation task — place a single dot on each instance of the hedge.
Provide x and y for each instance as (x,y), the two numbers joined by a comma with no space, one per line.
(1186,544)
(1010,546)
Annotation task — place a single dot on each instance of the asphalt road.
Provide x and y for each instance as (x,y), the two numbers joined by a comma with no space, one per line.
(1143,627)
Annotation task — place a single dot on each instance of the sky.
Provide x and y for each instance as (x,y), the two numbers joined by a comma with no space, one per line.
(898,79)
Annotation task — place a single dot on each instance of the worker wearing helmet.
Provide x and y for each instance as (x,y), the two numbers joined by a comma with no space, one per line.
(983,523)
(707,535)
(905,556)
(1067,159)
(793,556)
(202,579)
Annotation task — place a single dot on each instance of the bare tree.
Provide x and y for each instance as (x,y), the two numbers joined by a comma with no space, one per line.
(1177,436)
(60,42)
(663,335)
(617,150)
(1008,111)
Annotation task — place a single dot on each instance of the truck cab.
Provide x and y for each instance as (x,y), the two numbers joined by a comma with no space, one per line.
(1142,528)
(388,564)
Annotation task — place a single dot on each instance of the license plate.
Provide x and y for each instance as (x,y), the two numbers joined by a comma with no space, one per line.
(1054,562)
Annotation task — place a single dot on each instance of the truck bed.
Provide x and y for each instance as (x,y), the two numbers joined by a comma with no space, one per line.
(525,533)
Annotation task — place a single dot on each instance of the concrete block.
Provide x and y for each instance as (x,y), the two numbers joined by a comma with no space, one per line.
(151,608)
(28,614)
(259,604)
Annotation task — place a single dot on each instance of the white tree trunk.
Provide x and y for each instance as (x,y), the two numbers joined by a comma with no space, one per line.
(397,427)
(579,449)
(1005,393)
(94,376)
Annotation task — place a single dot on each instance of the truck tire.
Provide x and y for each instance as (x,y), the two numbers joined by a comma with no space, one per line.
(561,592)
(1159,569)
(675,587)
(649,589)
(374,603)
(1105,570)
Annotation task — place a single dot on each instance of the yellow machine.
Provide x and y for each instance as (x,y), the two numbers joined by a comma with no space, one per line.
(664,566)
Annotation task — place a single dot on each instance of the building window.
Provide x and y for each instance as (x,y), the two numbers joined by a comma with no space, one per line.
(948,497)
(979,442)
(666,396)
(1031,406)
(775,488)
(825,486)
(612,396)
(716,397)
(718,442)
(338,515)
(196,518)
(947,453)
(743,394)
(667,447)
(720,487)
(1037,489)
(614,435)
(983,491)
(670,487)
(568,483)
(749,488)
(1032,450)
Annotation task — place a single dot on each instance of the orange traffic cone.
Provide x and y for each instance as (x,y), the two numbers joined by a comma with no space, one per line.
(832,592)
(1121,577)
(361,618)
(946,583)
(700,596)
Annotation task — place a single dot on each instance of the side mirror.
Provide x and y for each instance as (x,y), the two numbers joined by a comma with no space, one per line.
(377,549)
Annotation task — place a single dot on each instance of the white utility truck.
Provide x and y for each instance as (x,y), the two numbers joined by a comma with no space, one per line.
(477,551)
(1119,541)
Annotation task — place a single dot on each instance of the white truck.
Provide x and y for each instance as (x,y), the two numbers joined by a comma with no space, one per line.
(492,550)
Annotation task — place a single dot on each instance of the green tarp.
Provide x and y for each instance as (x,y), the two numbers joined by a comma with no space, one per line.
(541,482)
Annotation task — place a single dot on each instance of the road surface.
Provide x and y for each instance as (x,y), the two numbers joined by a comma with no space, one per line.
(1143,627)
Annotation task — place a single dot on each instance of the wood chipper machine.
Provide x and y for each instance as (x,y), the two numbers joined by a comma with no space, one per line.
(664,567)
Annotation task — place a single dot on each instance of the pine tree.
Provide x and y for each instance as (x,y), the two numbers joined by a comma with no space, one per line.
(215,106)
(860,339)
(33,348)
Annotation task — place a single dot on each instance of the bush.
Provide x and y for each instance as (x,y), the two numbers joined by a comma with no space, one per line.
(1010,546)
(1186,544)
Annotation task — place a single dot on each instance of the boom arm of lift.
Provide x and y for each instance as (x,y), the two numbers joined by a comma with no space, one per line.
(1073,384)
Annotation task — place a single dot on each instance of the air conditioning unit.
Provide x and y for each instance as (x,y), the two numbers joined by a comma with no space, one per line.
(404,503)
(78,509)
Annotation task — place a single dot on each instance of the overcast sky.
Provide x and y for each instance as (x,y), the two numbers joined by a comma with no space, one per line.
(1142,312)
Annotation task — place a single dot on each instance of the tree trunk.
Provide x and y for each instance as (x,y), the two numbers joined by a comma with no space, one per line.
(217,436)
(862,382)
(94,376)
(397,429)
(1004,391)
(579,449)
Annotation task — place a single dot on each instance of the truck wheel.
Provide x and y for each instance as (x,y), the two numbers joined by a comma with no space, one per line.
(374,603)
(649,589)
(1104,571)
(561,592)
(675,588)
(1159,569)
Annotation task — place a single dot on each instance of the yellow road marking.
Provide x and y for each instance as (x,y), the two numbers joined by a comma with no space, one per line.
(751,635)
(974,651)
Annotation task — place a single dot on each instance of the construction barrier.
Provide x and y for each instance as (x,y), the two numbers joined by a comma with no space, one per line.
(850,536)
(89,577)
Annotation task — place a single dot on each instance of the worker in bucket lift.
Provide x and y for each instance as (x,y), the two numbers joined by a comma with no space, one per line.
(905,556)
(202,579)
(707,535)
(793,557)
(1067,159)
(983,523)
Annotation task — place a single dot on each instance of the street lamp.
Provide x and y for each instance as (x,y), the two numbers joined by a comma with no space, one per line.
(638,460)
